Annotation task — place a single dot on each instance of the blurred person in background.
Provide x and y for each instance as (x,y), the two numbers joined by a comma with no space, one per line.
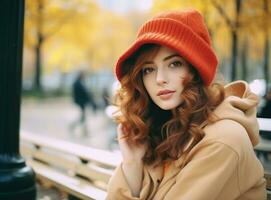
(182,136)
(82,98)
(106,97)
(266,109)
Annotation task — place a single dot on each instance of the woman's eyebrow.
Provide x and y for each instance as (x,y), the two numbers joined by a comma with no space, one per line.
(147,62)
(171,56)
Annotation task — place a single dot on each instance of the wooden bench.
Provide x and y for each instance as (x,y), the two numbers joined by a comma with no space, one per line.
(83,172)
(263,150)
(265,128)
(79,171)
(267,176)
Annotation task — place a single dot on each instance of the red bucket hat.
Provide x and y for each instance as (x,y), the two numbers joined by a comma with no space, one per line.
(183,31)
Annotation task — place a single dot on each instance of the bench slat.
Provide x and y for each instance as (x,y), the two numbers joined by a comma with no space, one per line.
(70,166)
(263,146)
(267,176)
(80,171)
(72,185)
(105,158)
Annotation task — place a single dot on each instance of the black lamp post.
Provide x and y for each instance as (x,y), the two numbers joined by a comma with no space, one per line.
(17,180)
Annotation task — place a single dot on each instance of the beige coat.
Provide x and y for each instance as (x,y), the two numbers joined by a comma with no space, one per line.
(222,166)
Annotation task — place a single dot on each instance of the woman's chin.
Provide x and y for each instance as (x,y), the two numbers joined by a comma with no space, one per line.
(167,106)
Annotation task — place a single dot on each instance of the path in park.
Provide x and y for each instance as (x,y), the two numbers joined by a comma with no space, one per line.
(52,117)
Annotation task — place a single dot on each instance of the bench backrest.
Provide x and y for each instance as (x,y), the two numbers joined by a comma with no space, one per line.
(267,176)
(94,165)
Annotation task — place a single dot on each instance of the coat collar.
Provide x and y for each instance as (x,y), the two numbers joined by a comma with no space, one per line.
(157,173)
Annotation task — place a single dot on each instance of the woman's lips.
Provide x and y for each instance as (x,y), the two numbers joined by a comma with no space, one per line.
(165,94)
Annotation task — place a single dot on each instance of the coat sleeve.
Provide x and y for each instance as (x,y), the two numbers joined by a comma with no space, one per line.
(118,188)
(205,175)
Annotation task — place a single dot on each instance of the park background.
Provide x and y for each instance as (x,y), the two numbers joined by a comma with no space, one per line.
(63,37)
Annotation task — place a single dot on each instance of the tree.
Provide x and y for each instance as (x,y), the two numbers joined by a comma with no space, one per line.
(76,35)
(233,25)
(43,18)
(237,28)
(266,41)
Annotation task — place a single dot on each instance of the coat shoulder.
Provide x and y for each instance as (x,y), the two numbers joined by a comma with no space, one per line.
(230,133)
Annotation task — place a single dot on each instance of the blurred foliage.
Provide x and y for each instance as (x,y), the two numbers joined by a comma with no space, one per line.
(80,34)
(253,21)
(241,38)
(75,33)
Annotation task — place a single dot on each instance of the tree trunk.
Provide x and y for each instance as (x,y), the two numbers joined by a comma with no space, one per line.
(38,70)
(266,46)
(234,54)
(266,60)
(38,49)
(244,60)
(234,33)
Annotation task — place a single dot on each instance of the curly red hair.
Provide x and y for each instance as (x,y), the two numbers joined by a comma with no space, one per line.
(168,134)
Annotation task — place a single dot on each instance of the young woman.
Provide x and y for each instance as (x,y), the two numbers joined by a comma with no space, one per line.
(181,136)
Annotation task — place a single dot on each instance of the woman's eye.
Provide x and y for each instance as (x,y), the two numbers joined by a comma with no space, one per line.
(176,64)
(147,70)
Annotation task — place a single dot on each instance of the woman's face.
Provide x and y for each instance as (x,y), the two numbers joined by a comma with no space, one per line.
(163,77)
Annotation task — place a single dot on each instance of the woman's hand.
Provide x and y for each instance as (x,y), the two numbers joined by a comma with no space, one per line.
(131,152)
(132,164)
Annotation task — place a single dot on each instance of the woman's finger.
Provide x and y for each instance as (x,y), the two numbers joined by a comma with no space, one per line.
(121,134)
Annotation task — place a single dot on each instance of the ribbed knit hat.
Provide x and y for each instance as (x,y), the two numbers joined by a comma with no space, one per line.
(183,31)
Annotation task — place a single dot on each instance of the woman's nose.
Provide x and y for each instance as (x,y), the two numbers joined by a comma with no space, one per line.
(161,77)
